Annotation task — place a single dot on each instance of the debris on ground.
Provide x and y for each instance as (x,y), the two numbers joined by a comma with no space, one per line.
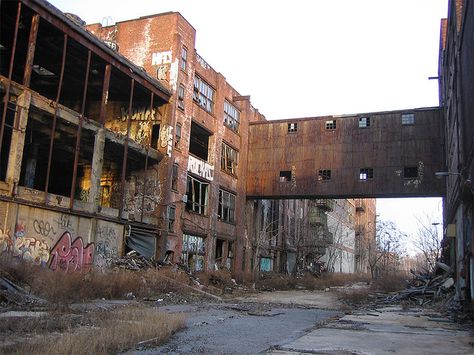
(134,261)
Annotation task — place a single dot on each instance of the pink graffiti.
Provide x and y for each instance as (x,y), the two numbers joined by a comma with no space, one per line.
(70,256)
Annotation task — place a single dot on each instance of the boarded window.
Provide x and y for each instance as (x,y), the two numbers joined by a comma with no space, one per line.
(194,251)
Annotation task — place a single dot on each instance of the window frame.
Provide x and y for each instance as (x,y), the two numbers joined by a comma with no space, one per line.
(324,175)
(410,169)
(181,93)
(184,58)
(330,125)
(366,174)
(226,206)
(203,94)
(229,165)
(293,127)
(177,136)
(171,218)
(364,122)
(202,205)
(174,177)
(231,122)
(408,119)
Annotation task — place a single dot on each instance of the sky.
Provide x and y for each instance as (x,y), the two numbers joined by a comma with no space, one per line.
(306,58)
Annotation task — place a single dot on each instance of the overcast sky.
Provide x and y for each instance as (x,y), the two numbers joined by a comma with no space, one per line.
(304,58)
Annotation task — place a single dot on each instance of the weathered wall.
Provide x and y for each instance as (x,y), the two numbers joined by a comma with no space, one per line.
(386,145)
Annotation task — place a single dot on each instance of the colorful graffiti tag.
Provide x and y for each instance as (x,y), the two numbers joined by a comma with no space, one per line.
(5,241)
(28,248)
(68,255)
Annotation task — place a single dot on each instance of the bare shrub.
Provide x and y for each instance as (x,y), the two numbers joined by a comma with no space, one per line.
(390,282)
(274,281)
(354,297)
(125,330)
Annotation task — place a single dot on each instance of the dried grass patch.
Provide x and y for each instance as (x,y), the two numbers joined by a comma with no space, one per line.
(111,333)
(390,283)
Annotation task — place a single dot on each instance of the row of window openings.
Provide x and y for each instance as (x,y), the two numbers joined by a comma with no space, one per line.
(364,174)
(203,95)
(364,122)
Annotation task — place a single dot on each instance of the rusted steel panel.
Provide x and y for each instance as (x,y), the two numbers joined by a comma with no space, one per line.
(385,148)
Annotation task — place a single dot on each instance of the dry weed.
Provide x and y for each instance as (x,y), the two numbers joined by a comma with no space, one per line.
(125,330)
(390,282)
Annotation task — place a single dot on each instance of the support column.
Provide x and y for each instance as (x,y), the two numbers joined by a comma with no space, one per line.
(96,173)
(18,141)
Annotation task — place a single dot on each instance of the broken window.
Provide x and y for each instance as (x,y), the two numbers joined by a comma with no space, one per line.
(199,142)
(184,58)
(194,251)
(408,119)
(174,177)
(231,116)
(229,157)
(177,136)
(366,173)
(410,172)
(292,127)
(285,176)
(171,218)
(7,133)
(324,175)
(364,122)
(155,135)
(230,255)
(198,195)
(226,209)
(203,94)
(219,253)
(181,97)
(331,125)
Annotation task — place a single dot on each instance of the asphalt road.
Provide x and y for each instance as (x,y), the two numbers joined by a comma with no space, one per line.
(243,328)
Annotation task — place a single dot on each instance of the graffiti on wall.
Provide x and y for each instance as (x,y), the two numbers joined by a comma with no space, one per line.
(159,58)
(106,246)
(146,193)
(5,241)
(29,249)
(201,168)
(138,114)
(69,256)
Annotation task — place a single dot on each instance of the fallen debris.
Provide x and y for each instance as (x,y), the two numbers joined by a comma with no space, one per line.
(133,261)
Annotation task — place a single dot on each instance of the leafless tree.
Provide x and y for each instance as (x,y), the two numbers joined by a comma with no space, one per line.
(428,241)
(385,251)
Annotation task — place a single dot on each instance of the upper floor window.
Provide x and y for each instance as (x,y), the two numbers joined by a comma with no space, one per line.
(408,119)
(174,177)
(181,97)
(331,125)
(184,58)
(226,210)
(231,116)
(410,172)
(366,174)
(177,136)
(229,157)
(292,127)
(285,175)
(171,218)
(324,175)
(203,94)
(197,192)
(364,122)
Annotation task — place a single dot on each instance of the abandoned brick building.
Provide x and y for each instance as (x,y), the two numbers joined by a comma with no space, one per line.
(123,137)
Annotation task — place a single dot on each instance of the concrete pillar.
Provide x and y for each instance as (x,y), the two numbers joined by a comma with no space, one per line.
(18,141)
(96,173)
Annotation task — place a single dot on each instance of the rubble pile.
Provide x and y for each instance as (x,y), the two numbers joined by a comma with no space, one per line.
(134,261)
(426,287)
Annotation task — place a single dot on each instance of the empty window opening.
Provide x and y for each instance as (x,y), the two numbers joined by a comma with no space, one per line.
(194,251)
(226,210)
(292,127)
(219,253)
(203,94)
(181,97)
(174,177)
(198,195)
(324,175)
(366,173)
(171,218)
(410,172)
(408,119)
(7,136)
(231,116)
(331,125)
(229,157)
(155,135)
(285,176)
(177,136)
(364,122)
(199,142)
